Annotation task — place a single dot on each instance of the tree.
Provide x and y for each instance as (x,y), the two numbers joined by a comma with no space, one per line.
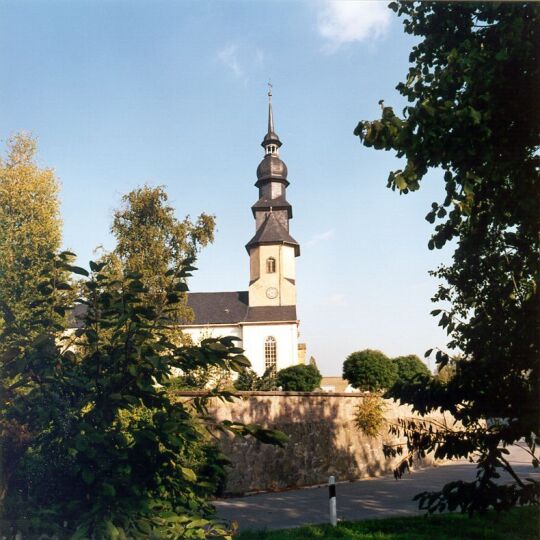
(114,455)
(369,370)
(408,367)
(30,229)
(473,113)
(151,241)
(248,380)
(300,378)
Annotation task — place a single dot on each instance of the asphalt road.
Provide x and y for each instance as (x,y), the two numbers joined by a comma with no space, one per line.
(370,498)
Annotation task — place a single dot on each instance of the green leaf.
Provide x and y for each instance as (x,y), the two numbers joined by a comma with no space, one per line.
(502,55)
(242,360)
(10,354)
(197,523)
(88,476)
(108,490)
(81,533)
(188,474)
(400,182)
(77,270)
(475,115)
(96,267)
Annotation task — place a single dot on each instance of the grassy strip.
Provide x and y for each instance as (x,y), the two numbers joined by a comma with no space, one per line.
(518,524)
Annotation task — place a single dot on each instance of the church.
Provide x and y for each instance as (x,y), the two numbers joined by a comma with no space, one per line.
(263,317)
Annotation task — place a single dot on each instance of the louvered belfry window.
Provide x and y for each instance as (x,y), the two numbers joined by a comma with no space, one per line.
(270,355)
(270,265)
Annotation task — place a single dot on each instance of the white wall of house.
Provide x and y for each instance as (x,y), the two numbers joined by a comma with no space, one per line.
(198,333)
(253,338)
(286,336)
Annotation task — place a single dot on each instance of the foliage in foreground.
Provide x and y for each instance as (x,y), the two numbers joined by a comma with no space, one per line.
(517,524)
(107,451)
(473,112)
(300,378)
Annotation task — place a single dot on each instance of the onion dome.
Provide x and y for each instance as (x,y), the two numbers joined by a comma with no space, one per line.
(271,167)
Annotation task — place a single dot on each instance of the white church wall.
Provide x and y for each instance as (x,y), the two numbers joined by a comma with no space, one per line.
(286,335)
(198,333)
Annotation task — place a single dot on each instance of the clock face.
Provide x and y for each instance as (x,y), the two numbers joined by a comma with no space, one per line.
(271,293)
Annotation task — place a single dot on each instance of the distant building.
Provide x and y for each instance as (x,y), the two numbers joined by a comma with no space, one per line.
(263,317)
(336,384)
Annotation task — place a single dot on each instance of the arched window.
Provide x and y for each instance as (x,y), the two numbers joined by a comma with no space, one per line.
(270,265)
(270,355)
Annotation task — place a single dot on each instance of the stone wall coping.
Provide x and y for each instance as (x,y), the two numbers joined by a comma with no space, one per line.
(250,393)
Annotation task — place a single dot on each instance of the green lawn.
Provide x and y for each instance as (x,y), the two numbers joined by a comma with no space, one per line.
(518,524)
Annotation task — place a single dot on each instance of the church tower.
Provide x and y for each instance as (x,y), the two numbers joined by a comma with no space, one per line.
(272,250)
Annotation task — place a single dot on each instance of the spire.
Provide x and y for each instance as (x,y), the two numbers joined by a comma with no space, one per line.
(271,141)
(270,113)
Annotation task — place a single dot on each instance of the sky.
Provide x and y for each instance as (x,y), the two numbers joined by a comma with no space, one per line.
(174,93)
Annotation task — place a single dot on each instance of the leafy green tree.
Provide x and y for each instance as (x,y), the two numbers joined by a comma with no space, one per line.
(151,241)
(473,113)
(408,367)
(249,380)
(112,455)
(369,370)
(300,378)
(30,229)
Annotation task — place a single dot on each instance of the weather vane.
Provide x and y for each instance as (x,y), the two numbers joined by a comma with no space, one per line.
(269,89)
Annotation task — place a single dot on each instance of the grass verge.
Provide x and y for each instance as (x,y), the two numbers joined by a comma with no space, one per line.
(517,524)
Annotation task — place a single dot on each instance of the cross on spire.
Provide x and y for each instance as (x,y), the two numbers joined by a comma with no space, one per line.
(270,113)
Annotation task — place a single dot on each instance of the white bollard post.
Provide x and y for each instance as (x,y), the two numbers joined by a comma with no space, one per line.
(332,500)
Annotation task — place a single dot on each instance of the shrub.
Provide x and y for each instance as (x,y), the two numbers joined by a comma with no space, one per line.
(249,380)
(369,370)
(409,367)
(300,378)
(369,416)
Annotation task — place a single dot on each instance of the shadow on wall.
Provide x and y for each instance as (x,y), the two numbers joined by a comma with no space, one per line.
(323,441)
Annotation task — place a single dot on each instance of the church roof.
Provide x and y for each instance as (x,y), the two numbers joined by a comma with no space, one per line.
(271,167)
(279,203)
(233,308)
(215,308)
(273,232)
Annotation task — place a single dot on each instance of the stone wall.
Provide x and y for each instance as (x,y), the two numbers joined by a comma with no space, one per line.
(323,440)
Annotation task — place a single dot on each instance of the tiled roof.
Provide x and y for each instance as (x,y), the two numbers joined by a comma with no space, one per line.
(279,203)
(215,308)
(218,307)
(273,232)
(233,308)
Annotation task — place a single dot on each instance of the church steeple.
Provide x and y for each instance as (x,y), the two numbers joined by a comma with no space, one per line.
(272,250)
(271,142)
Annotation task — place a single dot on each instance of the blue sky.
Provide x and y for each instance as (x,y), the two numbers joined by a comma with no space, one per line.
(122,93)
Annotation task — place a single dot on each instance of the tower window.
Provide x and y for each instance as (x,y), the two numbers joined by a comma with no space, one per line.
(270,355)
(270,265)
